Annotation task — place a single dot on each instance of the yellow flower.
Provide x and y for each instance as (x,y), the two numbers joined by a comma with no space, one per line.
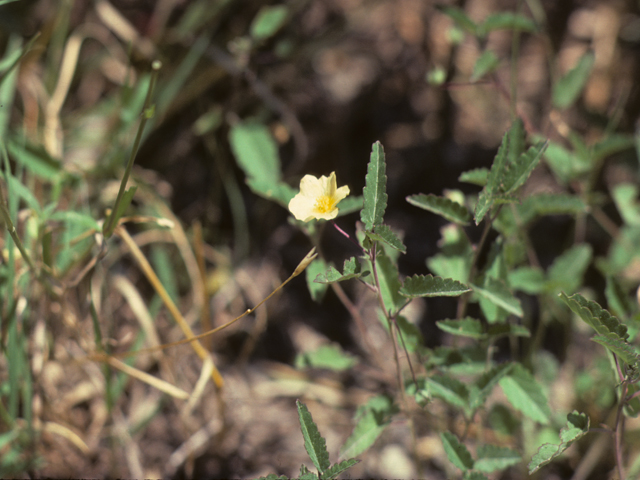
(318,198)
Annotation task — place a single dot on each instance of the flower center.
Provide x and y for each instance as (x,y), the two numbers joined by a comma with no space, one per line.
(324,204)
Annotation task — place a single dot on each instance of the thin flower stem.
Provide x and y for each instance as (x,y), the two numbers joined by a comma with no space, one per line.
(147,113)
(348,236)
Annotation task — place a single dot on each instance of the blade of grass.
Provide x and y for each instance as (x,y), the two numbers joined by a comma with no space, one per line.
(147,113)
(143,263)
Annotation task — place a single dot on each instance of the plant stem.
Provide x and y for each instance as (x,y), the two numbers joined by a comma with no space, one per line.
(147,113)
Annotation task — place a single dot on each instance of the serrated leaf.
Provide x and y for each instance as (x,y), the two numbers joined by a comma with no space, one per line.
(497,293)
(430,286)
(389,283)
(577,427)
(486,63)
(372,419)
(351,269)
(338,468)
(383,233)
(547,204)
(525,394)
(484,385)
(594,315)
(486,197)
(448,389)
(456,452)
(517,173)
(331,357)
(466,327)
(316,289)
(314,443)
(569,87)
(619,347)
(477,176)
(375,190)
(567,270)
(450,210)
(491,458)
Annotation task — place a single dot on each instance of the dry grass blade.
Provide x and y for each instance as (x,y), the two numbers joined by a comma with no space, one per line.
(173,309)
(52,427)
(155,382)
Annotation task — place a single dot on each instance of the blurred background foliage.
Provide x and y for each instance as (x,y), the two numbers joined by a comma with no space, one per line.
(313,83)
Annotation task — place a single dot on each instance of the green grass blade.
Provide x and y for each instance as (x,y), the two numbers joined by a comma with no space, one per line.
(568,88)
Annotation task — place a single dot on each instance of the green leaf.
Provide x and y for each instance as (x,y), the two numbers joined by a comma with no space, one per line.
(458,16)
(331,357)
(549,204)
(517,173)
(506,329)
(477,176)
(474,476)
(268,21)
(625,196)
(525,394)
(497,293)
(349,205)
(273,476)
(375,196)
(492,458)
(594,315)
(389,283)
(506,21)
(313,442)
(430,286)
(456,452)
(484,385)
(127,198)
(305,474)
(316,268)
(529,280)
(450,210)
(372,419)
(487,63)
(256,153)
(35,159)
(467,327)
(351,269)
(577,427)
(619,347)
(611,144)
(338,468)
(383,233)
(567,270)
(568,88)
(452,391)
(485,199)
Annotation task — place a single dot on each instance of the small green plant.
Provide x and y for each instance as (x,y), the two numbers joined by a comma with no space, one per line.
(316,447)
